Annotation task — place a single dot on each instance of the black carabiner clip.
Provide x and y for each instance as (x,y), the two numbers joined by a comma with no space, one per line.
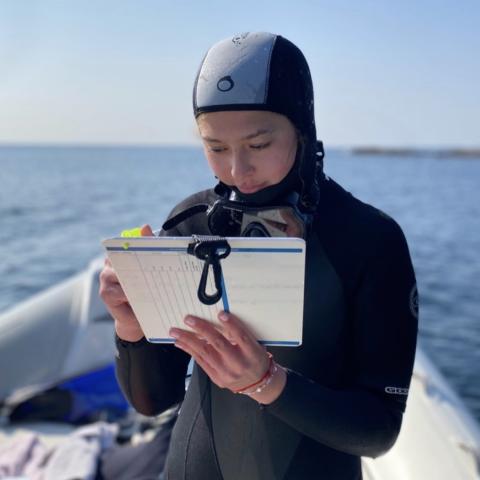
(211,250)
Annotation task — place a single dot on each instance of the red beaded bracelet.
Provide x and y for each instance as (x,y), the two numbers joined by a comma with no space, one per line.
(260,388)
(264,376)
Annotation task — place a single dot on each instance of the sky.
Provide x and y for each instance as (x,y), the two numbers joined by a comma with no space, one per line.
(385,73)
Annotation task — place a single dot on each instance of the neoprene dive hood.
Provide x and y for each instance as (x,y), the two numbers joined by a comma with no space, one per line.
(263,71)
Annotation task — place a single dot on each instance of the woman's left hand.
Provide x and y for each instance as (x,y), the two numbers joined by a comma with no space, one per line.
(231,356)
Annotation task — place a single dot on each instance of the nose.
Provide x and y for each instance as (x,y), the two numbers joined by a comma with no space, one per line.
(241,166)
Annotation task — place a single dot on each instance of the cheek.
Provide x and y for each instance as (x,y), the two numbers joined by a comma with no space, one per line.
(219,168)
(279,163)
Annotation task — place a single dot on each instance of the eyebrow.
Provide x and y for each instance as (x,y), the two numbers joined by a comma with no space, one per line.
(262,131)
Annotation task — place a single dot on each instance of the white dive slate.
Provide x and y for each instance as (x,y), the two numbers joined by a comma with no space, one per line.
(263,284)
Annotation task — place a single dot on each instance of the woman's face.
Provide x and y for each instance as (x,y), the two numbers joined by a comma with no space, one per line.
(250,150)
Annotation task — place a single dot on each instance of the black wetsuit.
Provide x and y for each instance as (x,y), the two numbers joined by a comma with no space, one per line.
(346,385)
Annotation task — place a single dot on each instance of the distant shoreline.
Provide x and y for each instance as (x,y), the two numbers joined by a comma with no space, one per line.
(416,152)
(473,153)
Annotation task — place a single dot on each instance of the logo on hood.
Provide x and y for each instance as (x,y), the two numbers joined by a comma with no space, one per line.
(225,84)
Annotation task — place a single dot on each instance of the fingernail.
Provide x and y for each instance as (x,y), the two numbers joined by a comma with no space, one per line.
(190,321)
(223,316)
(174,333)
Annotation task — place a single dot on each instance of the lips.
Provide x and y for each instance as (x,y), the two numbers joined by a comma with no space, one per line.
(250,188)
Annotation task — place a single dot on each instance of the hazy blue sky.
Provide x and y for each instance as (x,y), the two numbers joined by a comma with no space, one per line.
(385,72)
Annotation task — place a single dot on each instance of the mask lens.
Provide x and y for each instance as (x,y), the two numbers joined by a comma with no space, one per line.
(241,221)
(277,222)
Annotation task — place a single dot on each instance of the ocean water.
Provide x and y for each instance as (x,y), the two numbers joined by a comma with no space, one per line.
(57,203)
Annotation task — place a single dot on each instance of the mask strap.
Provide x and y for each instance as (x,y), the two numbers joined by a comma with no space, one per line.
(183,215)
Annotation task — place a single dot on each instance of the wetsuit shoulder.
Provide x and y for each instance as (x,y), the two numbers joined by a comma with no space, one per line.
(355,235)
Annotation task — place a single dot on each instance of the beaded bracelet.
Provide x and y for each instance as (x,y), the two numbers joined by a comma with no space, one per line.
(262,379)
(267,382)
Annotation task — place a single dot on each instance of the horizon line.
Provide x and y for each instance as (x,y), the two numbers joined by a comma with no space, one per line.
(357,147)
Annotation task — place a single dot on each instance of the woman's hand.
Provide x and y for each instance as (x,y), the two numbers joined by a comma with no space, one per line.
(230,355)
(110,291)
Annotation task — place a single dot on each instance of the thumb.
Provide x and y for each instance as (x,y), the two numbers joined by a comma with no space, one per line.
(146,231)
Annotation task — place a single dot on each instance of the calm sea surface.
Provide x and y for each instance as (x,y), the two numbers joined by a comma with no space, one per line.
(56,204)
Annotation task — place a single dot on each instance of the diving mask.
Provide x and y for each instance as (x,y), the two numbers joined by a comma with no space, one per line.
(232,218)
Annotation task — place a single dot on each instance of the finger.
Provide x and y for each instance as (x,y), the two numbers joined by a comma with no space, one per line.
(199,346)
(203,360)
(219,369)
(212,374)
(122,313)
(146,231)
(208,331)
(112,294)
(227,371)
(108,275)
(238,332)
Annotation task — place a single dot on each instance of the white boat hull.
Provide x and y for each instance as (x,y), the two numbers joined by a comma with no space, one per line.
(66,331)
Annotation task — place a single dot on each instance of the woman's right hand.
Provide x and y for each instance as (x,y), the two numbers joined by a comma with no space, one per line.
(112,294)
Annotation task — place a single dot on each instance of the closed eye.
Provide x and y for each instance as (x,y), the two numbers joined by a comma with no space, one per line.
(216,149)
(260,146)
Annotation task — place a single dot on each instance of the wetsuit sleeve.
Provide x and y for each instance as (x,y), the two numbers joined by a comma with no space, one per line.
(365,418)
(385,321)
(151,376)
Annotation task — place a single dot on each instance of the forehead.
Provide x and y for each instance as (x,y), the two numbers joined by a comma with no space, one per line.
(235,125)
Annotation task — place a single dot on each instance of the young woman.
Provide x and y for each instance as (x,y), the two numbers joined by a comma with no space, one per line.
(286,413)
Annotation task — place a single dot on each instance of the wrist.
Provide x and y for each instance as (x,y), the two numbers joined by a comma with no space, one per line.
(274,389)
